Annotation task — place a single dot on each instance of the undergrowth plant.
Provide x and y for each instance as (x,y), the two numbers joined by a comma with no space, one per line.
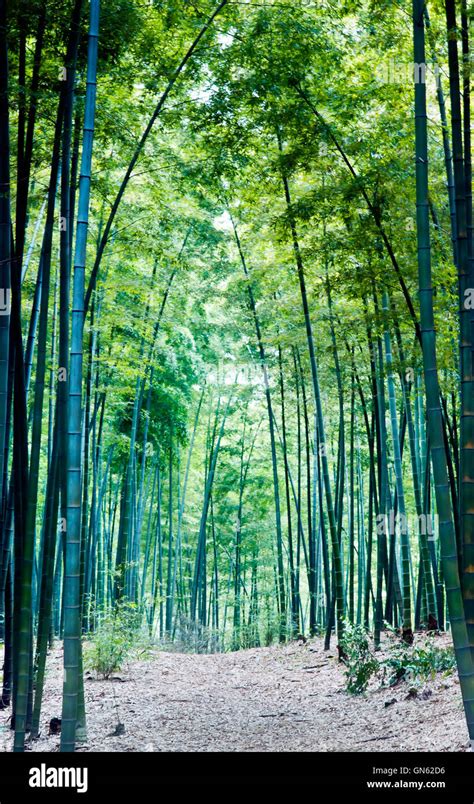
(361,664)
(414,664)
(118,638)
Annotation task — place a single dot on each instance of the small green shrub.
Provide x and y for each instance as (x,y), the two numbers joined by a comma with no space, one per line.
(357,655)
(118,636)
(418,664)
(413,664)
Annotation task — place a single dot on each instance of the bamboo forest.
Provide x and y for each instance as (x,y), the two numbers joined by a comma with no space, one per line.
(236,376)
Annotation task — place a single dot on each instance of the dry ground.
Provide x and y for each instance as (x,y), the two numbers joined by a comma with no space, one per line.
(281,698)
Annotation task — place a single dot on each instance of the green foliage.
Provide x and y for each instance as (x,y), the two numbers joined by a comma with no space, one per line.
(361,663)
(272,624)
(193,637)
(117,639)
(410,663)
(418,664)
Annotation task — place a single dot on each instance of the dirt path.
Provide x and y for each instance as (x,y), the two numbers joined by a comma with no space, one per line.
(288,698)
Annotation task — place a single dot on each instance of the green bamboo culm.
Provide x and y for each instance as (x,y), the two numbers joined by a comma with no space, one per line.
(460,158)
(72,606)
(397,461)
(271,430)
(5,236)
(336,551)
(424,528)
(435,423)
(47,582)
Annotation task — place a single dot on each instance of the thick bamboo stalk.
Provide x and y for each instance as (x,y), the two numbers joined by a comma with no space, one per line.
(435,424)
(72,604)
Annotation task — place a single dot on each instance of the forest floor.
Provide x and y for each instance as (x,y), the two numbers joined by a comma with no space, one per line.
(278,698)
